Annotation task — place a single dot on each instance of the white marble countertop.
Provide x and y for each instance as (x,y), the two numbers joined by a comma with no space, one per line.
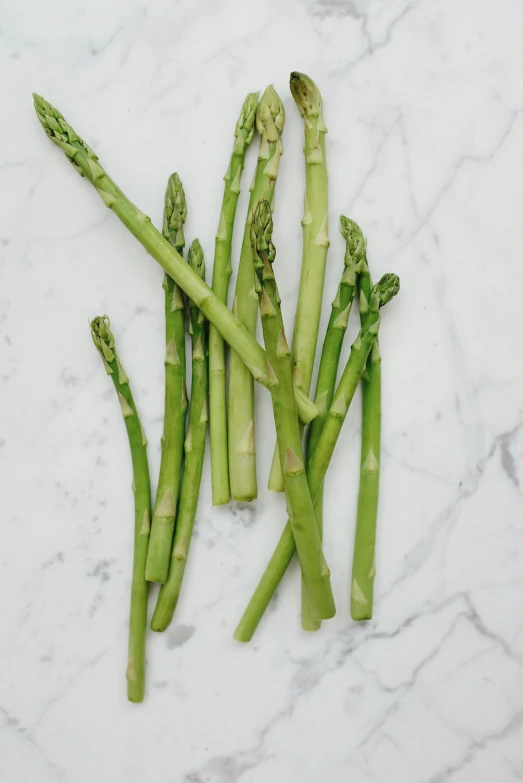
(424,105)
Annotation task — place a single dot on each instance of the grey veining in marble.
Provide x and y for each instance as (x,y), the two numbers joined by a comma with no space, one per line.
(424,105)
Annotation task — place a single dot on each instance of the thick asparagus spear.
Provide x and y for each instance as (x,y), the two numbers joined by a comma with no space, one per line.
(316,575)
(194,453)
(319,461)
(330,357)
(221,274)
(270,118)
(363,563)
(233,332)
(315,225)
(175,407)
(104,342)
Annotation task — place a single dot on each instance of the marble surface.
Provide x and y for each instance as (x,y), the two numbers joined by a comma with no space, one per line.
(424,105)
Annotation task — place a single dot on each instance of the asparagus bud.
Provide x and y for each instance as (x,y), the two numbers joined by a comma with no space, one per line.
(175,212)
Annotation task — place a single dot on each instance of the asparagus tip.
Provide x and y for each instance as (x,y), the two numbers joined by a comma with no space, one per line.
(103,337)
(263,249)
(195,258)
(353,235)
(270,115)
(387,288)
(175,212)
(306,94)
(61,133)
(244,130)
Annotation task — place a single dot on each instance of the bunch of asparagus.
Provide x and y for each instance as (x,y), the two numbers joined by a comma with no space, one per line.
(163,530)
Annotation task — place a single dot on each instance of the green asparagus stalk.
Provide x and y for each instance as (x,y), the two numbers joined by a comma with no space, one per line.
(315,571)
(194,453)
(270,118)
(330,357)
(315,225)
(363,564)
(104,342)
(221,274)
(233,332)
(164,512)
(319,461)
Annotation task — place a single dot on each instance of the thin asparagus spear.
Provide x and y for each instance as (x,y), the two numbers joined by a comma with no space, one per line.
(194,453)
(104,342)
(221,274)
(175,407)
(363,563)
(315,224)
(270,118)
(315,571)
(319,461)
(233,332)
(330,357)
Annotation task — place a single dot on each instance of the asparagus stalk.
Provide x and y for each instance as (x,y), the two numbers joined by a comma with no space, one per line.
(315,225)
(330,357)
(233,332)
(270,118)
(164,512)
(221,274)
(104,342)
(319,461)
(194,453)
(363,563)
(315,571)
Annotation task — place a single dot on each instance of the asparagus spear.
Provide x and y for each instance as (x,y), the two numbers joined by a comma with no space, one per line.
(330,357)
(222,271)
(319,461)
(315,571)
(315,242)
(164,512)
(194,453)
(104,342)
(363,563)
(270,118)
(233,332)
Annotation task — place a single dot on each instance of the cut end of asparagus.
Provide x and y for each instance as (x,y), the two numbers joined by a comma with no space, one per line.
(306,95)
(103,337)
(387,288)
(244,130)
(270,117)
(263,250)
(322,605)
(356,242)
(175,212)
(195,258)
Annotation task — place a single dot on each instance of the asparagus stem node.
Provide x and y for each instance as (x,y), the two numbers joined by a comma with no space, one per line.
(175,407)
(194,454)
(104,342)
(222,271)
(364,557)
(354,258)
(270,117)
(315,242)
(315,571)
